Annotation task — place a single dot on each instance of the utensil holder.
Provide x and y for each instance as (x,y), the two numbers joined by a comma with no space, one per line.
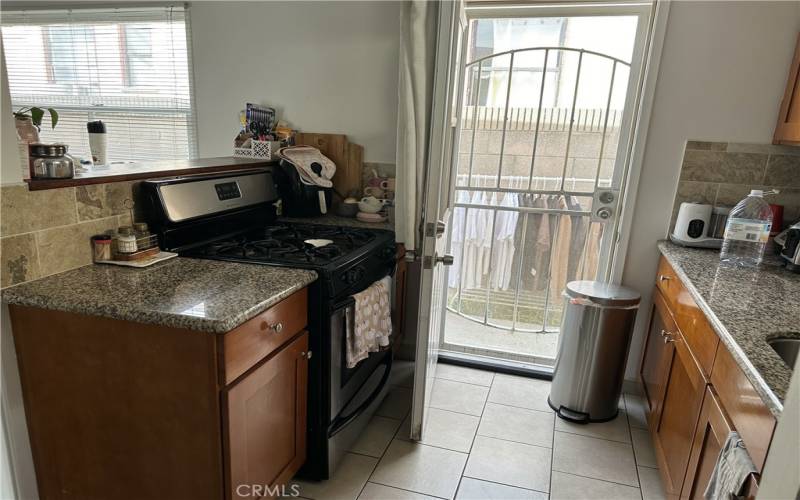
(260,150)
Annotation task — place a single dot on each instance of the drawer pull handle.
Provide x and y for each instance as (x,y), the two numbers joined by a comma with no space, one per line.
(661,277)
(306,355)
(276,328)
(669,336)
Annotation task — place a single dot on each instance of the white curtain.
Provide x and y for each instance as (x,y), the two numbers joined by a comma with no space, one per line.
(418,22)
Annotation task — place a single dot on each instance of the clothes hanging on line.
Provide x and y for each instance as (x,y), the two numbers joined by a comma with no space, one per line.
(503,254)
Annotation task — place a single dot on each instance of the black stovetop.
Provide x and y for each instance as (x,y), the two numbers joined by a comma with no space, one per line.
(288,244)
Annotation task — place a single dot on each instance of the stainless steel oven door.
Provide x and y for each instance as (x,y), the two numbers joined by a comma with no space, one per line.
(347,384)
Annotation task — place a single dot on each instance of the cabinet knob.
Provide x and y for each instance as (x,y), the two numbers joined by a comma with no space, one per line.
(669,336)
(661,277)
(306,355)
(276,327)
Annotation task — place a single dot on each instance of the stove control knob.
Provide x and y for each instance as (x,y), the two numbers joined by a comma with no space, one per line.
(388,253)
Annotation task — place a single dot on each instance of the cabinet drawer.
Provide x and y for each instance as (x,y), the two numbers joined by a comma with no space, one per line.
(667,281)
(695,329)
(249,343)
(748,413)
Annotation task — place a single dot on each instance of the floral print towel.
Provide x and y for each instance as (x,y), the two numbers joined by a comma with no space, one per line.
(373,322)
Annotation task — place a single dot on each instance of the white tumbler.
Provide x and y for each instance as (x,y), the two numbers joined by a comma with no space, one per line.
(98,142)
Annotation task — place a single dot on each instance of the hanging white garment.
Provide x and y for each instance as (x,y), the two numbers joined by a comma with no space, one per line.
(477,222)
(457,240)
(503,257)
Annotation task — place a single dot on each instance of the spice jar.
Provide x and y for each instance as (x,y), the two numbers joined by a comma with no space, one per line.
(142,233)
(126,241)
(101,247)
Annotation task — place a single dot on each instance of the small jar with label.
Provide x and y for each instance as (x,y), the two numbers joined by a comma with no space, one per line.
(101,247)
(126,241)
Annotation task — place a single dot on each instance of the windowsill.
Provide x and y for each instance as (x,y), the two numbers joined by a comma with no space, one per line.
(148,170)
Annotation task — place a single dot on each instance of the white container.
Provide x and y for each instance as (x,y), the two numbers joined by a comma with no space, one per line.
(747,231)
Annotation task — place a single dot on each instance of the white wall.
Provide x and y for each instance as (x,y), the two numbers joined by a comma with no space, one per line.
(10,172)
(327,66)
(722,76)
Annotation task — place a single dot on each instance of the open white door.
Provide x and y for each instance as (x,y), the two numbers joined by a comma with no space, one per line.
(452,25)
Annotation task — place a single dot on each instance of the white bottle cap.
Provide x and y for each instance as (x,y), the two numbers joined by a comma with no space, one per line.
(757,192)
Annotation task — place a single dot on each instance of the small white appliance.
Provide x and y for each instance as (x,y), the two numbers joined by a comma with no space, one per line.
(692,226)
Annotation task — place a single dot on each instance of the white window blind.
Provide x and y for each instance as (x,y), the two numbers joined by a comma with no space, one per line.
(129,67)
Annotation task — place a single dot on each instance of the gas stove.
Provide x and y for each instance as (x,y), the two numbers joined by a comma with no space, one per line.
(232,217)
(304,244)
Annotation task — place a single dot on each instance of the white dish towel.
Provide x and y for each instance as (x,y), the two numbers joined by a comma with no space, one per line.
(372,324)
(730,473)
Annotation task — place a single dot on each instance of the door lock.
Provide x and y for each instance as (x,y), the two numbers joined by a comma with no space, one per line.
(435,229)
(445,260)
(604,213)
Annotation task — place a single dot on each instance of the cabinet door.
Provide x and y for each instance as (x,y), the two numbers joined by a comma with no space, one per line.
(712,430)
(787,131)
(680,410)
(657,354)
(266,422)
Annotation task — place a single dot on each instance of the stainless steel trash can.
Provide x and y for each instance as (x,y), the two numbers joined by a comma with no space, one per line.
(596,329)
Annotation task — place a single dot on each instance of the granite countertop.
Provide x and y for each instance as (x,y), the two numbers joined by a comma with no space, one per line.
(338,220)
(204,295)
(746,307)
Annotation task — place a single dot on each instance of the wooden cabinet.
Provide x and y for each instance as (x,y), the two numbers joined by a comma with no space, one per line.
(696,393)
(658,353)
(787,130)
(712,430)
(266,424)
(117,409)
(674,425)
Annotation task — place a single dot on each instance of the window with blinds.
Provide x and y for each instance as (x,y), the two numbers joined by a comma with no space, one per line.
(129,67)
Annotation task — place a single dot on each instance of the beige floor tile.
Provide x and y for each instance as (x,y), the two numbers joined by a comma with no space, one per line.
(594,458)
(396,404)
(402,374)
(517,424)
(652,488)
(570,487)
(376,436)
(346,483)
(420,468)
(615,430)
(373,491)
(643,447)
(506,462)
(445,429)
(636,411)
(464,374)
(475,489)
(523,392)
(458,397)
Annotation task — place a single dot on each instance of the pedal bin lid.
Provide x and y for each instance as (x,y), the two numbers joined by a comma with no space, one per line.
(603,294)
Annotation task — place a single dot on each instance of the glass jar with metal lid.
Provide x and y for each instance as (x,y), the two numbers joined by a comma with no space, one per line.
(51,161)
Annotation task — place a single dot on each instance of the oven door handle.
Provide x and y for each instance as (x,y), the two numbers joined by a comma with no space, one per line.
(341,421)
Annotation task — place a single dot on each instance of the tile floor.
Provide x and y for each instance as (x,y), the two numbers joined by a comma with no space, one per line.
(491,437)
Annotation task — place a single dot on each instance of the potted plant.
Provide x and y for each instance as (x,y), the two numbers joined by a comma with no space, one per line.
(29,121)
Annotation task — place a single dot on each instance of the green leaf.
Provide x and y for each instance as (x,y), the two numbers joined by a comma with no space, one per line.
(53,116)
(36,116)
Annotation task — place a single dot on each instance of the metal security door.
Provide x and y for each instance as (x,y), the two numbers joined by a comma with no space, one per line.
(537,189)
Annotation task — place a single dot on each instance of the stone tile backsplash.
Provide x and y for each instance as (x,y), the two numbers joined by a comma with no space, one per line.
(722,173)
(47,232)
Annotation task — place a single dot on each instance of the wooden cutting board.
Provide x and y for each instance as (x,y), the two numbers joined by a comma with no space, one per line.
(347,157)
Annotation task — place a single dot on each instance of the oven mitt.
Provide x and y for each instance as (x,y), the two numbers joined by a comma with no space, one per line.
(314,168)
